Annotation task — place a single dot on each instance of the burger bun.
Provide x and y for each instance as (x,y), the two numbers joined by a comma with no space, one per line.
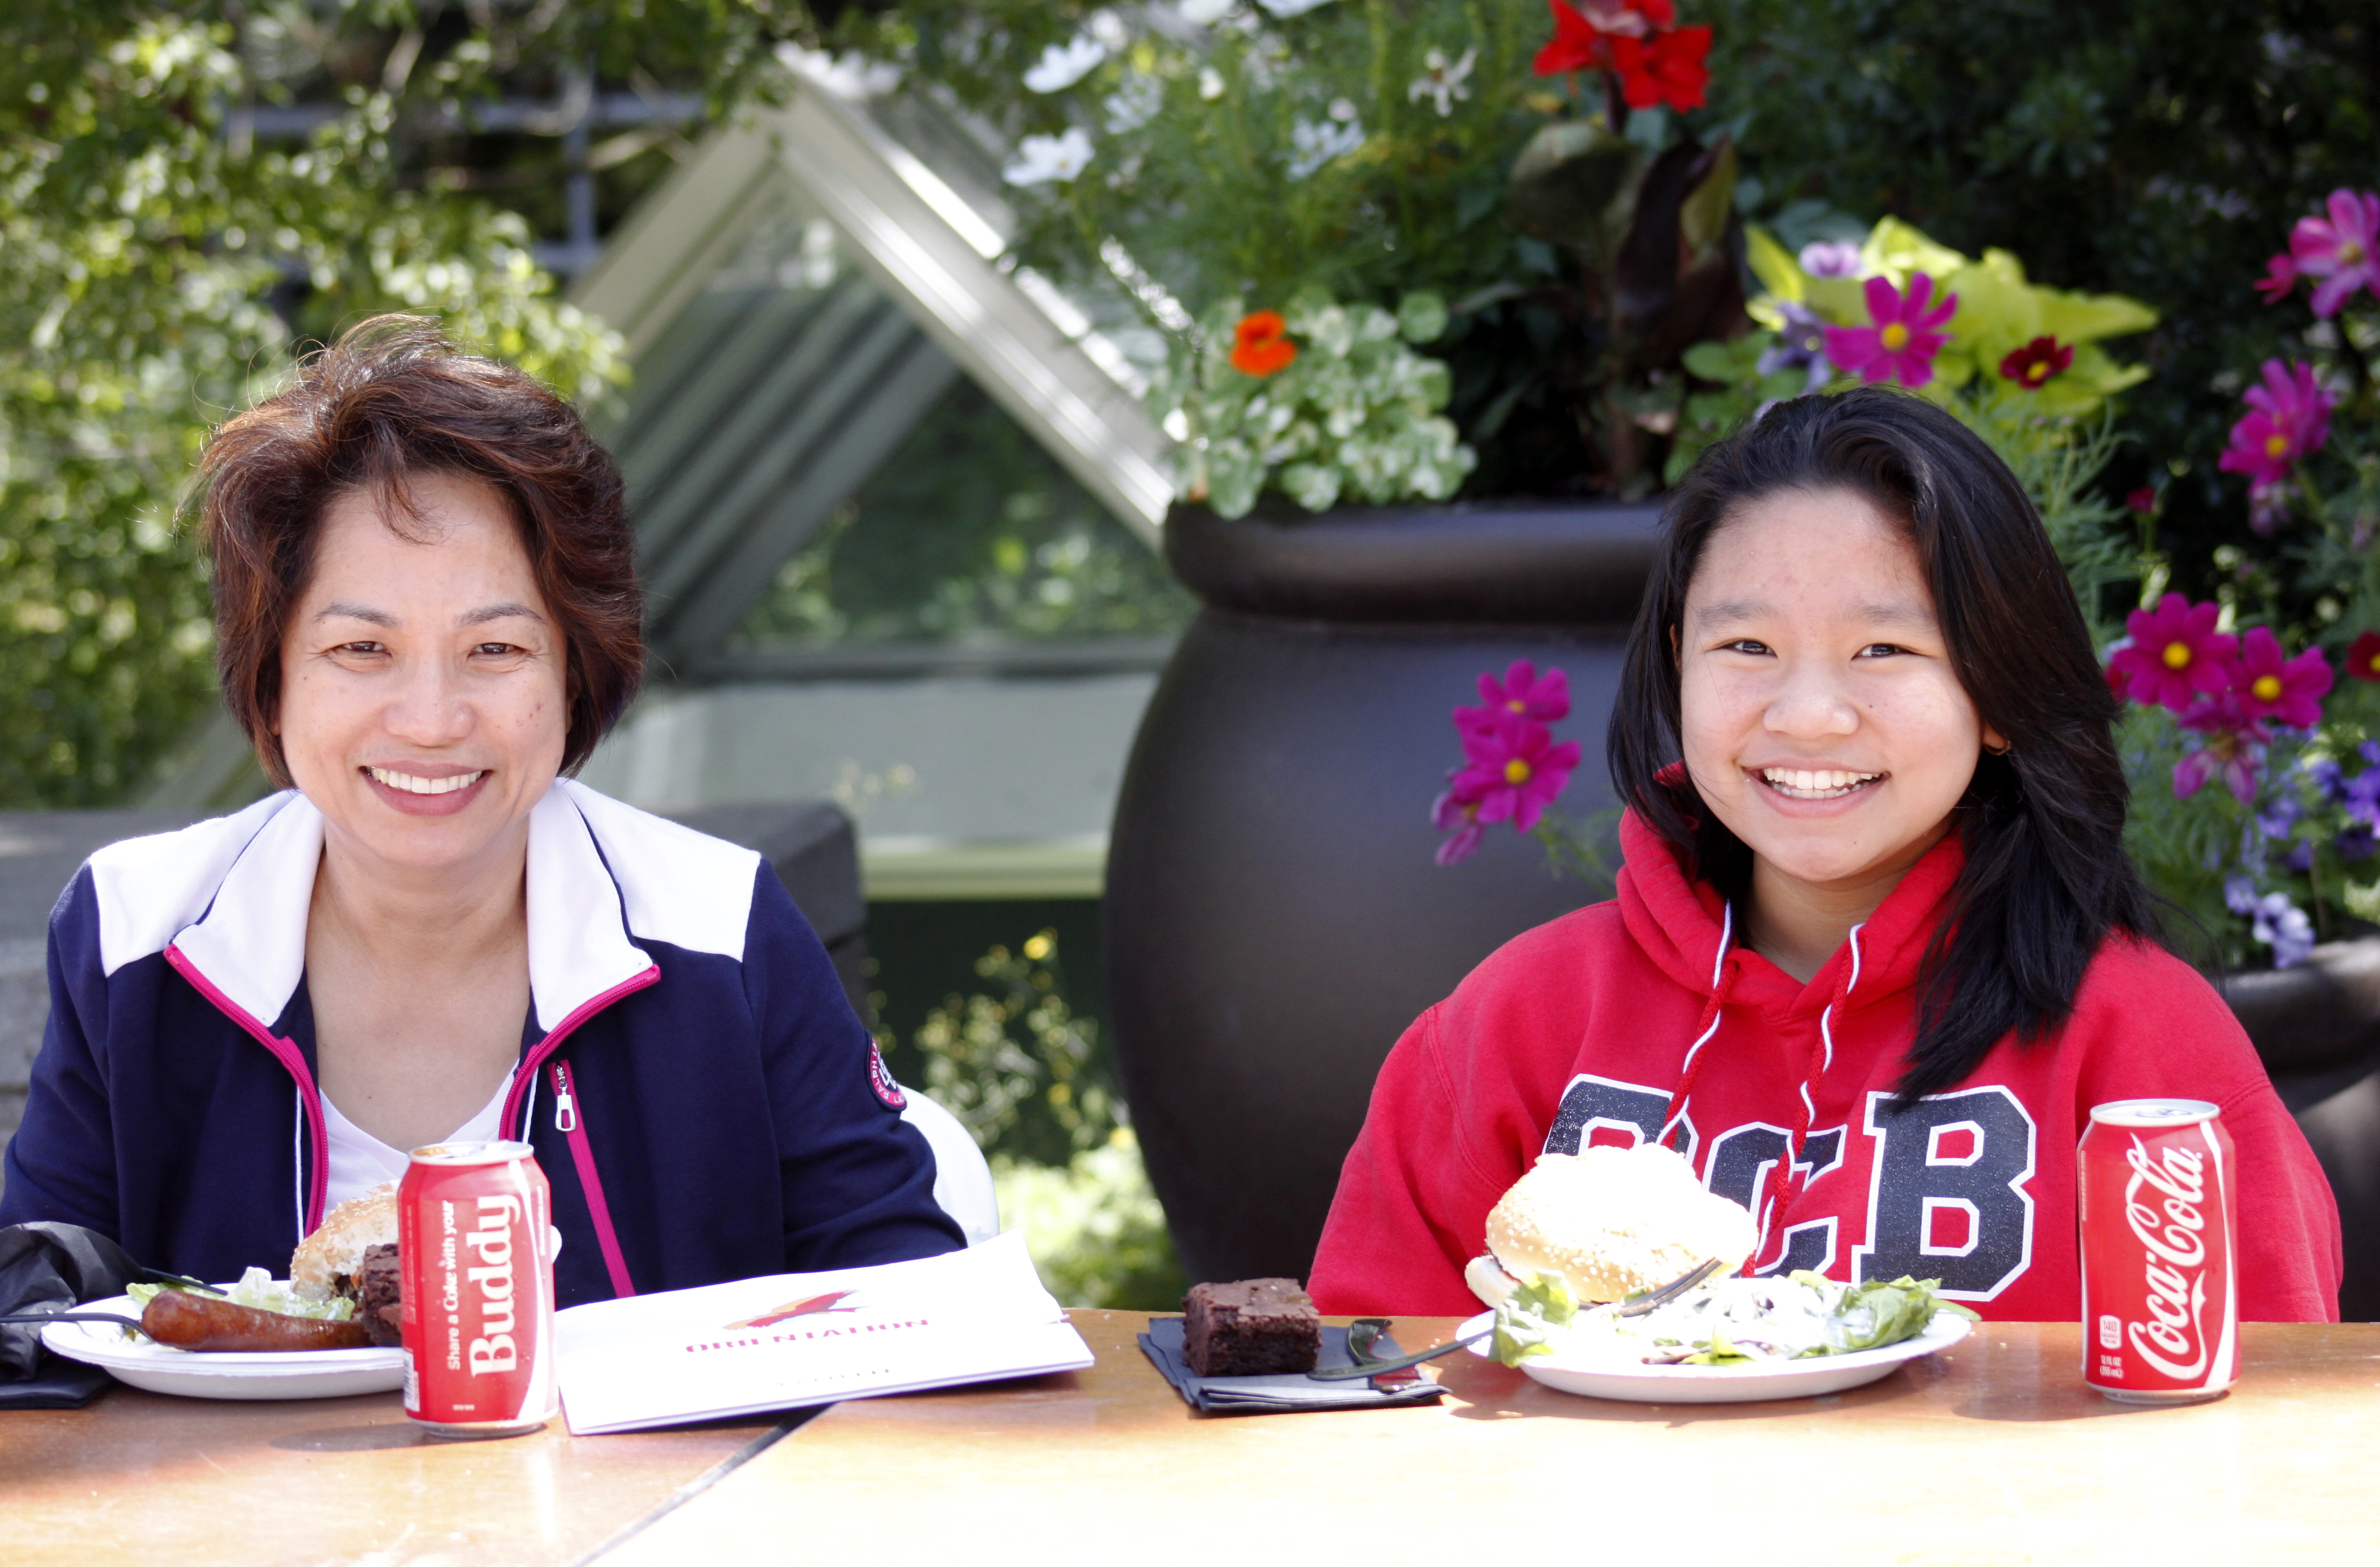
(329,1262)
(1609,1222)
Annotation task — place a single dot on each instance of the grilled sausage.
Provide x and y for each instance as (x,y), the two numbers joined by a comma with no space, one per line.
(210,1324)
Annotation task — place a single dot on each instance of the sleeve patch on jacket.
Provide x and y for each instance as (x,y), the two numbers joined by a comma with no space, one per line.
(879,1077)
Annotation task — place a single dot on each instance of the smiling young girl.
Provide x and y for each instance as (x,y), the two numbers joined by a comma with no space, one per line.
(1877,949)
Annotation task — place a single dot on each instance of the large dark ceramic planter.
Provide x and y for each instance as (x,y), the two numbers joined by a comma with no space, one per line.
(1273,916)
(2317,1025)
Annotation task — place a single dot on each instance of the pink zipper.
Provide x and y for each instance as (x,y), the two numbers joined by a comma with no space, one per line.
(573,1127)
(286,1052)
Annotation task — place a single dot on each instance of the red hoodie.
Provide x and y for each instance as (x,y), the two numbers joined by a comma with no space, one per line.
(1582,1030)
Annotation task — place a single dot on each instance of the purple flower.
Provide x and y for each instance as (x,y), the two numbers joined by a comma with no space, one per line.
(2271,686)
(1523,691)
(2300,859)
(2176,653)
(2234,748)
(1459,816)
(1516,769)
(2361,799)
(2289,416)
(1906,335)
(1831,257)
(2283,927)
(2343,252)
(2275,820)
(1800,344)
(2240,894)
(2355,841)
(2328,780)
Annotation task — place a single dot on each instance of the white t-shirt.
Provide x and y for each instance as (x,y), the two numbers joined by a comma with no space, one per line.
(361,1161)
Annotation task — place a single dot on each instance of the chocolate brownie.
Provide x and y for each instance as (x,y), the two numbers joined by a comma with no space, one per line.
(380,1295)
(1253,1327)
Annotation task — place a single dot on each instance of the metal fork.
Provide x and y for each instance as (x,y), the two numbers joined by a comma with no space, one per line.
(1365,1329)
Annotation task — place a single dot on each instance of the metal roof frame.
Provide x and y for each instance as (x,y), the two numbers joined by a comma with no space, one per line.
(717,541)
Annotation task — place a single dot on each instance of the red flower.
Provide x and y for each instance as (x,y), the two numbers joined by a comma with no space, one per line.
(2142,500)
(2038,361)
(1582,40)
(1667,69)
(1260,345)
(2363,656)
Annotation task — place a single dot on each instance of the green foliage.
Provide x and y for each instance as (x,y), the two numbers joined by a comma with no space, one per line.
(1094,1228)
(1355,416)
(1998,311)
(969,530)
(1026,1078)
(1016,1065)
(1733,388)
(142,234)
(1373,151)
(2160,150)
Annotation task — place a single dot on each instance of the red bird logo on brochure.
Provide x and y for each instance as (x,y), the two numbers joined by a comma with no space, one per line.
(817,1305)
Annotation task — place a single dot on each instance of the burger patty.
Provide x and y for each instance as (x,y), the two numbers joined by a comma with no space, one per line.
(380,1295)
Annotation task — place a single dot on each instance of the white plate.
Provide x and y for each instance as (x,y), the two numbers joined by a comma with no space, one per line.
(161,1368)
(1732,1384)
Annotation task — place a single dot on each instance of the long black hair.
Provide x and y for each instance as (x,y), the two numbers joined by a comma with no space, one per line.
(2047,877)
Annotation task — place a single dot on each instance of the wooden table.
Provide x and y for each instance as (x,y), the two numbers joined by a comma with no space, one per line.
(1989,1455)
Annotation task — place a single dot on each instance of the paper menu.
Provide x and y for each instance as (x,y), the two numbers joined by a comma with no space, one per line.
(793,1340)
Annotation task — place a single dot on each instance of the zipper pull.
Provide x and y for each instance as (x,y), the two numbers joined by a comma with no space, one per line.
(565,1108)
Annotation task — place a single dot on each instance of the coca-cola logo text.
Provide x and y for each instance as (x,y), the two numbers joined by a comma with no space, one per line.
(491,1241)
(2173,1231)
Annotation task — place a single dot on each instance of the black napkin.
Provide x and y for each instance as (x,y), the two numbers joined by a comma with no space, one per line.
(1275,1395)
(53,1267)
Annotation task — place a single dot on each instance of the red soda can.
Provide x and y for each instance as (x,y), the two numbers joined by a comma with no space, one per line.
(2160,1286)
(472,1222)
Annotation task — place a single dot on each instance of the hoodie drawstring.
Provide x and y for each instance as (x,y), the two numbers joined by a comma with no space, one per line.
(1723,975)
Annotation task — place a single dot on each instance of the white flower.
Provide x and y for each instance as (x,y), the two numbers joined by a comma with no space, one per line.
(854,76)
(1318,144)
(1288,9)
(1205,13)
(1040,159)
(1441,82)
(1211,84)
(1343,110)
(1108,29)
(1134,104)
(1063,64)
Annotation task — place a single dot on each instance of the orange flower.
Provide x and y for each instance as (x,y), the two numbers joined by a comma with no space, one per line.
(1260,345)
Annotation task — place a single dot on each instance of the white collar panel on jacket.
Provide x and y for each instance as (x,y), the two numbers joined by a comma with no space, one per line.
(232,895)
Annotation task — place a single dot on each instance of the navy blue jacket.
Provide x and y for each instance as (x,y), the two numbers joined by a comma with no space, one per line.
(696,1087)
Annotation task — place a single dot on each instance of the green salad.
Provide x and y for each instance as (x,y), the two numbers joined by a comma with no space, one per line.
(1725,1322)
(260,1290)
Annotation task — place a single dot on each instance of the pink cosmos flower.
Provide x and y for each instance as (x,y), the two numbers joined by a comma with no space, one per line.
(2288,417)
(1452,813)
(2176,653)
(2343,252)
(1543,697)
(1516,769)
(2281,276)
(2234,749)
(1901,344)
(2268,686)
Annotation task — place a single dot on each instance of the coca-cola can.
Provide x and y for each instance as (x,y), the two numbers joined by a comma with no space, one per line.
(472,1224)
(2160,1280)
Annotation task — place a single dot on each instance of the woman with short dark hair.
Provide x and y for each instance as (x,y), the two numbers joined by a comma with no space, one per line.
(427,614)
(1877,948)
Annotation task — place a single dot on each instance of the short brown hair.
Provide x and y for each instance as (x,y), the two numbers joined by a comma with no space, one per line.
(394,397)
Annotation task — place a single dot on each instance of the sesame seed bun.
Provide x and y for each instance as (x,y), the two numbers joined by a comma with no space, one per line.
(328,1262)
(1609,1222)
